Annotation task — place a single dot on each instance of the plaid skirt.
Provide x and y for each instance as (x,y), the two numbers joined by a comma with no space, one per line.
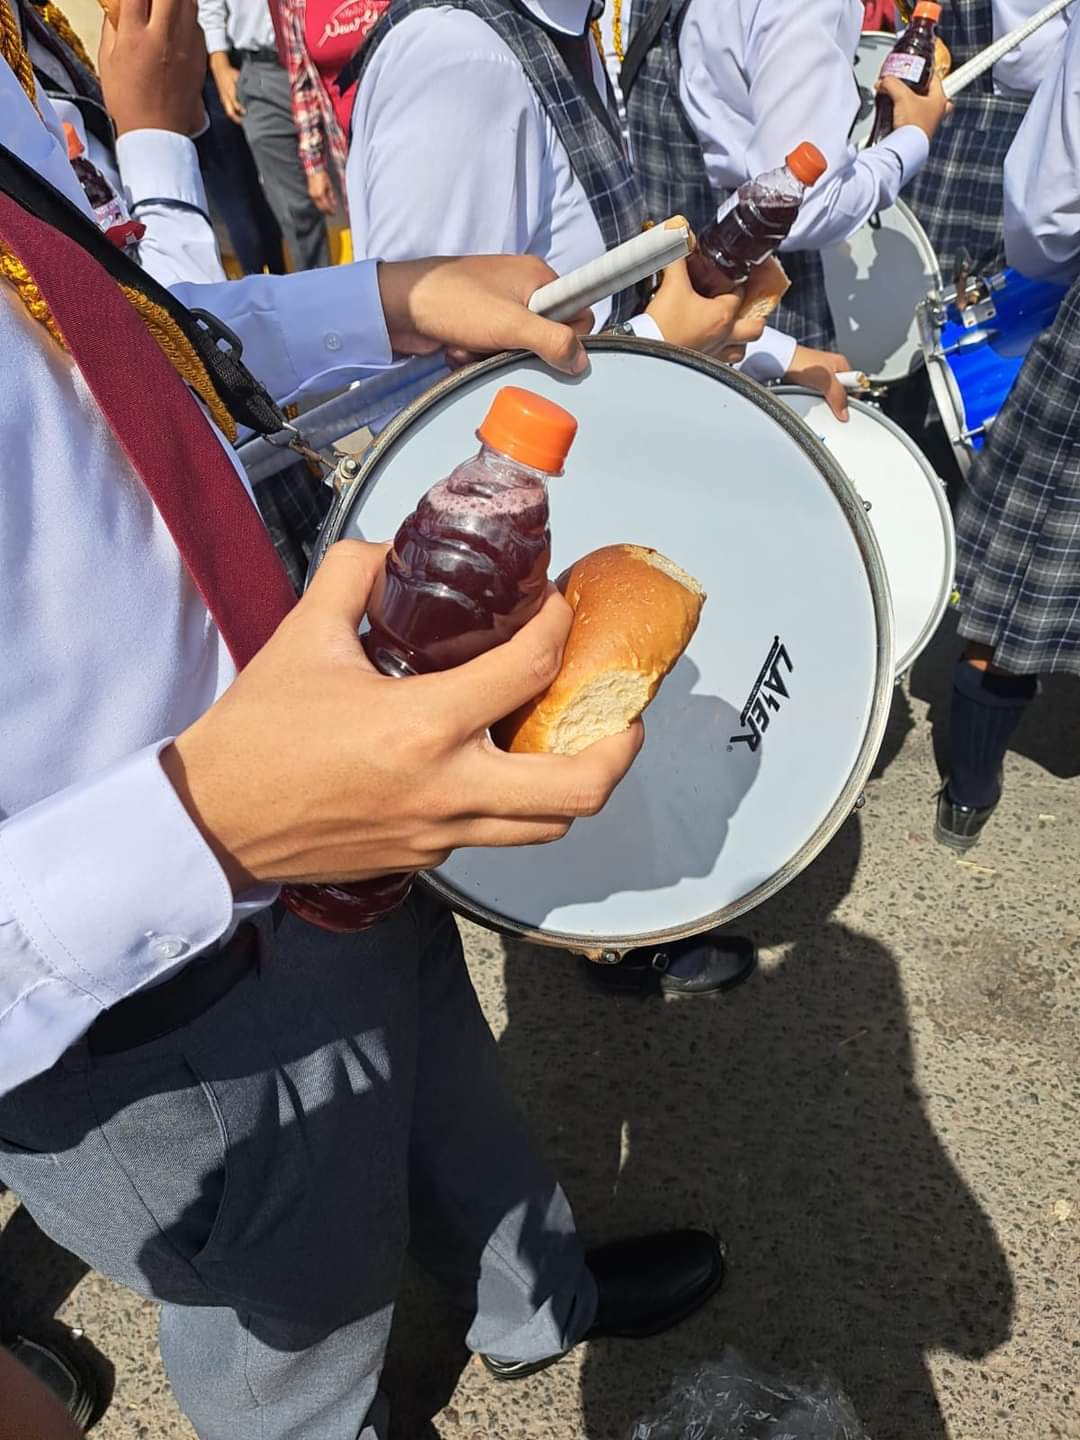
(1018,517)
(957,195)
(293,505)
(804,311)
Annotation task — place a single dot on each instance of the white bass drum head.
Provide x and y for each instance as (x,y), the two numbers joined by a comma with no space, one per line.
(761,739)
(908,510)
(874,282)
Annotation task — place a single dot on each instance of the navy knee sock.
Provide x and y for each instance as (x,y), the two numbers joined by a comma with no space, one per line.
(986,709)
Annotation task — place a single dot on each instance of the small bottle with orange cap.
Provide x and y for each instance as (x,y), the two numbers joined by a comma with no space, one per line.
(910,60)
(468,568)
(755,220)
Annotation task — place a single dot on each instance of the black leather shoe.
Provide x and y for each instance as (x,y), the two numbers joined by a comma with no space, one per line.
(644,1287)
(64,1370)
(959,826)
(718,962)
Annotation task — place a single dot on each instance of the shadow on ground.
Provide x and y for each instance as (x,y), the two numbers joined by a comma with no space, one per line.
(786,1116)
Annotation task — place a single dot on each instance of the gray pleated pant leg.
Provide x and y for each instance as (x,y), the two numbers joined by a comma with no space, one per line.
(270,131)
(263,1171)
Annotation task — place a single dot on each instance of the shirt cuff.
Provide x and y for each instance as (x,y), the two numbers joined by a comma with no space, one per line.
(770,357)
(312,331)
(216,40)
(645,327)
(160,163)
(911,147)
(111,883)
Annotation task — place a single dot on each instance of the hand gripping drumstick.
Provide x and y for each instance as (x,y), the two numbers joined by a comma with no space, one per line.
(628,263)
(980,63)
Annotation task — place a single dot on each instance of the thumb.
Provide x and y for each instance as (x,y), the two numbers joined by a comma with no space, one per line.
(554,343)
(676,280)
(342,586)
(893,88)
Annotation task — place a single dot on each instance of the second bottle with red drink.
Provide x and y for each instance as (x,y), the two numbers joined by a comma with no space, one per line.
(468,569)
(754,222)
(910,60)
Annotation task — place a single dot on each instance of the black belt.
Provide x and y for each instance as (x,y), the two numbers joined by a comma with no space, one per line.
(265,55)
(150,1014)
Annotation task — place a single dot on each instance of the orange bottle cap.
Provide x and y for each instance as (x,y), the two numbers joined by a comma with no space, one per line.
(807,163)
(529,428)
(927,10)
(74,144)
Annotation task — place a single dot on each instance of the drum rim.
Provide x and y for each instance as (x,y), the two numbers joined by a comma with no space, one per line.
(881,698)
(941,500)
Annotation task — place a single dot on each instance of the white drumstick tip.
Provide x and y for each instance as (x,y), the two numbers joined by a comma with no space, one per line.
(853,379)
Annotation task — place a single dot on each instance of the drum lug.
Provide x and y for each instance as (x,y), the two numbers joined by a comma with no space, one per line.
(345,472)
(860,803)
(604,957)
(867,506)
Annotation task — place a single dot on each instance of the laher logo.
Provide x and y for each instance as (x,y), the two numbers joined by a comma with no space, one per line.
(770,688)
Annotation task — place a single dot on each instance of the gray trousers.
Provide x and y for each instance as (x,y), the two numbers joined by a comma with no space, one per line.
(263,1171)
(263,90)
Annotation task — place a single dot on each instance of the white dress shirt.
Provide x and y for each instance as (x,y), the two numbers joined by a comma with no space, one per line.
(236,25)
(150,165)
(1042,173)
(453,153)
(1022,70)
(759,76)
(107,650)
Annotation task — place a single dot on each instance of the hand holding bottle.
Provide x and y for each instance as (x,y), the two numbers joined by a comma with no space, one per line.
(710,325)
(911,108)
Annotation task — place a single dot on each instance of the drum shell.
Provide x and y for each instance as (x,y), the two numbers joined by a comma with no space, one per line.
(636,424)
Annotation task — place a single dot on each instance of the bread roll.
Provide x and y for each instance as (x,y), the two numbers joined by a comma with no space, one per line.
(766,286)
(634,614)
(942,58)
(112,10)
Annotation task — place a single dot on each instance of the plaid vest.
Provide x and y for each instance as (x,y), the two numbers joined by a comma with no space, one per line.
(668,157)
(595,150)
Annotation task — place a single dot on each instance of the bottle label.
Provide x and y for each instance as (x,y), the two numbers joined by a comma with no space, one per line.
(911,68)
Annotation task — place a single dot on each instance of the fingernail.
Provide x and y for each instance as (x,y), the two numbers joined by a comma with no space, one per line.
(581,361)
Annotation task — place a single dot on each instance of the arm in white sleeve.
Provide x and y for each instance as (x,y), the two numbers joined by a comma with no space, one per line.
(160,174)
(770,357)
(1022,70)
(1042,175)
(105,887)
(214,19)
(802,87)
(308,333)
(447,146)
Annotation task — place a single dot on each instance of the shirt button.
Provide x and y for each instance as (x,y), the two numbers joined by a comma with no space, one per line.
(168,947)
(333,341)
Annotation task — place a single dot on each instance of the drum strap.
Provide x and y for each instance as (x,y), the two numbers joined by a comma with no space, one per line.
(243,397)
(641,44)
(157,421)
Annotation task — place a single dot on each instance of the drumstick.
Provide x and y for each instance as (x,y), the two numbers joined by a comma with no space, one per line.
(978,64)
(615,270)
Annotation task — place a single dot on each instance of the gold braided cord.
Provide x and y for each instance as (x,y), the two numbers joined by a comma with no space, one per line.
(14,52)
(616,30)
(55,18)
(172,341)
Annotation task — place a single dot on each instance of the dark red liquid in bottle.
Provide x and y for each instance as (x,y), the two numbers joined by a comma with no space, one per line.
(910,60)
(468,568)
(754,223)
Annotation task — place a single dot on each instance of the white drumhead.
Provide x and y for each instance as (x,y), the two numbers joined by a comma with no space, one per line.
(678,453)
(874,47)
(874,282)
(908,510)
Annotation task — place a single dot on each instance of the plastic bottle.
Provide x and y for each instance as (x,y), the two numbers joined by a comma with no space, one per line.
(753,223)
(910,60)
(110,210)
(468,568)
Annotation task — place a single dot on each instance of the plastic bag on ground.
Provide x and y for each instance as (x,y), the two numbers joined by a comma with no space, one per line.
(731,1400)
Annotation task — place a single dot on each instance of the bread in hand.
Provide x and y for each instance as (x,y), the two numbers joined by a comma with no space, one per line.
(766,286)
(942,58)
(634,614)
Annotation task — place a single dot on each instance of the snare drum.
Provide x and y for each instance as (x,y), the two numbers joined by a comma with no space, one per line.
(907,506)
(974,355)
(760,741)
(875,281)
(875,46)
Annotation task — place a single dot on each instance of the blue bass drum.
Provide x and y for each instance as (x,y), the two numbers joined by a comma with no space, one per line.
(974,355)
